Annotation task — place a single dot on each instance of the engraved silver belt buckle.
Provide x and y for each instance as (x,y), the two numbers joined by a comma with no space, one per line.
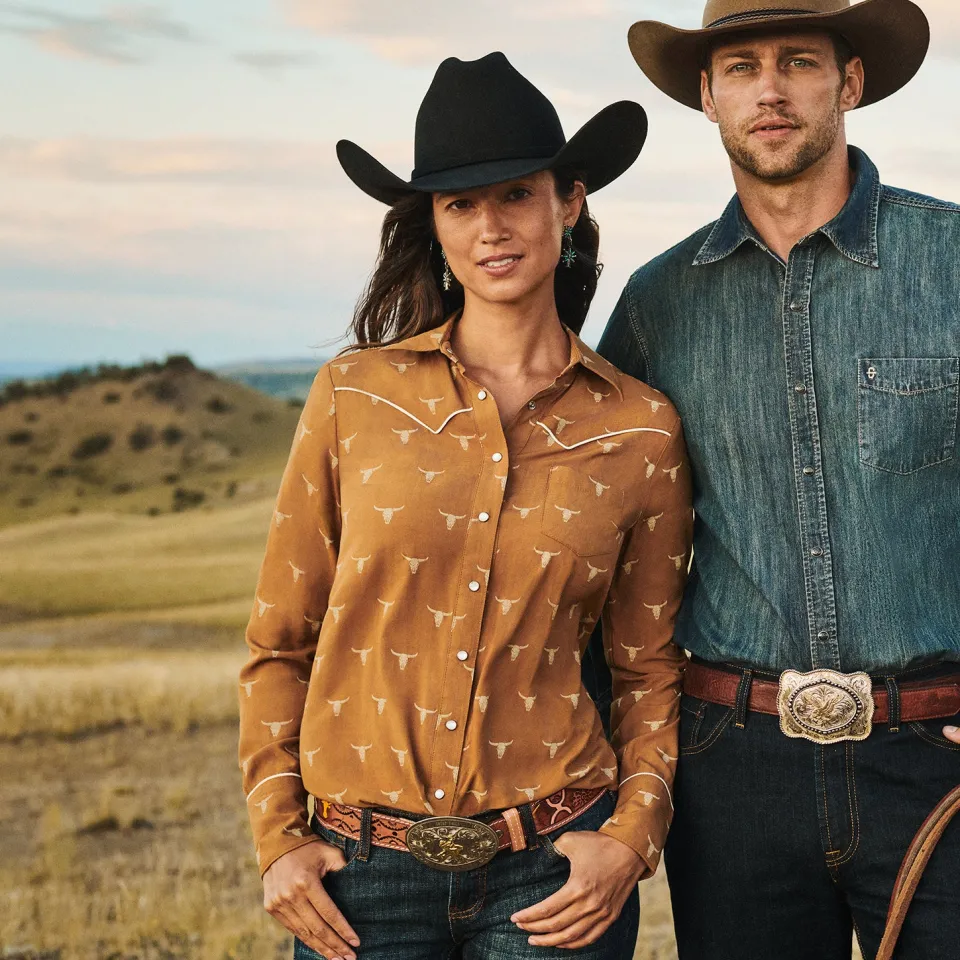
(452,843)
(825,706)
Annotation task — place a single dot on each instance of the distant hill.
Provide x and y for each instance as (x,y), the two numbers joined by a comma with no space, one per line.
(156,438)
(286,379)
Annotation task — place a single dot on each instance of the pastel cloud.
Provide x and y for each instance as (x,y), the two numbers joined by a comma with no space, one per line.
(119,36)
(276,61)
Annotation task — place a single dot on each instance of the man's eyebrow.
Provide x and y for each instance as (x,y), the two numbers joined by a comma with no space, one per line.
(751,53)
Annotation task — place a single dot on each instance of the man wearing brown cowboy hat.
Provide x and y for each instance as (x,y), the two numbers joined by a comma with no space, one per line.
(810,340)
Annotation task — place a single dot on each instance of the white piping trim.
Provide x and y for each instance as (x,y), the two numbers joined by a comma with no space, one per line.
(407,412)
(657,775)
(616,433)
(274,777)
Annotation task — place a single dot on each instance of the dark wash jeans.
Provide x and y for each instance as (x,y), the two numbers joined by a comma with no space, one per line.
(780,847)
(403,910)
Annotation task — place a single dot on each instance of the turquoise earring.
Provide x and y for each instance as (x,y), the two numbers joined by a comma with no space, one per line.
(568,253)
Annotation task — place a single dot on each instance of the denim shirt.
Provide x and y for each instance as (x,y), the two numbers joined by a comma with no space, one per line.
(819,400)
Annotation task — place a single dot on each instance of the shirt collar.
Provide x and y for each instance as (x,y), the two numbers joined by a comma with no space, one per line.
(438,340)
(853,231)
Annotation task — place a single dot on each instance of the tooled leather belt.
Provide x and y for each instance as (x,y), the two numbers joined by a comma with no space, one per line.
(456,843)
(825,706)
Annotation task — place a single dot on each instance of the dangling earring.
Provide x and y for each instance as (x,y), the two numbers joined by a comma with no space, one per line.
(568,253)
(447,275)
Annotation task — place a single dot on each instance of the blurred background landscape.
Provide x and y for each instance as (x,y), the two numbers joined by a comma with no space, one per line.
(179,251)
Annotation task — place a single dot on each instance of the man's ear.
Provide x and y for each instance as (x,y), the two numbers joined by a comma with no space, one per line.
(706,97)
(852,92)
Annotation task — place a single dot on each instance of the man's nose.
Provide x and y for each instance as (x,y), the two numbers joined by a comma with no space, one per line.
(771,90)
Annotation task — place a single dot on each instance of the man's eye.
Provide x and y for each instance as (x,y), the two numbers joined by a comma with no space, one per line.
(800,62)
(740,68)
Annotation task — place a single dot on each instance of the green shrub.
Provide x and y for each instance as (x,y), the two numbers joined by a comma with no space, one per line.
(92,446)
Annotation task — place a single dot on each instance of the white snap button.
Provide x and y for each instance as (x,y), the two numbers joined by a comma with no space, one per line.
(462,655)
(482,395)
(451,724)
(497,457)
(474,586)
(439,794)
(484,517)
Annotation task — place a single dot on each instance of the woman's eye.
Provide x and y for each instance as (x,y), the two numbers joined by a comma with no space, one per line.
(521,193)
(459,205)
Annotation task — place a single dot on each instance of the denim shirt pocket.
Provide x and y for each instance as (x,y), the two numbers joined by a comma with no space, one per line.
(907,412)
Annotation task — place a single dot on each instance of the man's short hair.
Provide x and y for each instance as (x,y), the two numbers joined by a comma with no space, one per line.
(842,48)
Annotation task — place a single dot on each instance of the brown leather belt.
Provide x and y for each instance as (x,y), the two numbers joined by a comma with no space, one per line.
(549,814)
(919,699)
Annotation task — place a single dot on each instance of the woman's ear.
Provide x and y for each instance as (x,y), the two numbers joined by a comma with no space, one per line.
(575,203)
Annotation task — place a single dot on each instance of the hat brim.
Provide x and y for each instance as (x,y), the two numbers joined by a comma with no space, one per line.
(890,36)
(604,148)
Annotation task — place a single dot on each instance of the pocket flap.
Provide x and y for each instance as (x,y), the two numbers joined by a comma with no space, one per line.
(907,375)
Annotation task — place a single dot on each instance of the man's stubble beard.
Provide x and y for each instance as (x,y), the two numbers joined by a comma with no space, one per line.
(789,162)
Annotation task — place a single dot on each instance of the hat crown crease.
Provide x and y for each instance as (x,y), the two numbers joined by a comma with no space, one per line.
(718,12)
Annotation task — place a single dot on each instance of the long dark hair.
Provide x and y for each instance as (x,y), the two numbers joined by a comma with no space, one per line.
(405,295)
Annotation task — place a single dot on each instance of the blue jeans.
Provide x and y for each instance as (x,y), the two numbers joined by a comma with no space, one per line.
(403,910)
(780,848)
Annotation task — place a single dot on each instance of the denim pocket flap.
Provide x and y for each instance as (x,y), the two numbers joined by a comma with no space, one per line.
(909,375)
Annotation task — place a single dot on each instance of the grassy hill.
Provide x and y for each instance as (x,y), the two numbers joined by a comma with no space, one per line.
(156,439)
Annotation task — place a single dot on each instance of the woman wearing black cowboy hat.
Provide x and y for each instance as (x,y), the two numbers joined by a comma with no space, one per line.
(469,492)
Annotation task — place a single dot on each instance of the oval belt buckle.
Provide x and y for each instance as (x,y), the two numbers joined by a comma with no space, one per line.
(452,843)
(825,706)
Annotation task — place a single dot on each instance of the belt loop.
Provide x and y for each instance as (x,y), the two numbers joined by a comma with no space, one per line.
(366,831)
(529,826)
(893,702)
(743,699)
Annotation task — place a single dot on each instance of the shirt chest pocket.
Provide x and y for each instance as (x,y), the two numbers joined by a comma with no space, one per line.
(582,513)
(907,411)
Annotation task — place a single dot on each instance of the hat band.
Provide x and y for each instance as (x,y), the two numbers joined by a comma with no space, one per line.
(759,15)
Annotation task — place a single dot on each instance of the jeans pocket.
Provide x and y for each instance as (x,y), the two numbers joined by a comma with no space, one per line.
(591,819)
(907,412)
(931,731)
(701,724)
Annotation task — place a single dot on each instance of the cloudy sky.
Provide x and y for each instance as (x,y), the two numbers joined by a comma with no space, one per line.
(168,180)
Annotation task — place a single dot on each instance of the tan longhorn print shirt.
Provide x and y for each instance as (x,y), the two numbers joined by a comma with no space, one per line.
(431,580)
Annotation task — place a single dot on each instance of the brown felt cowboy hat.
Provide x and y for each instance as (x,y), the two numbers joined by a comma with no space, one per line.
(890,36)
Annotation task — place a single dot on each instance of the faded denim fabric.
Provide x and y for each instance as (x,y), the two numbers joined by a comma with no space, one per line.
(819,399)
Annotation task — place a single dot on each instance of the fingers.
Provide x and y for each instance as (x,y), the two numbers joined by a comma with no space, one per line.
(583,931)
(332,917)
(563,898)
(307,911)
(952,733)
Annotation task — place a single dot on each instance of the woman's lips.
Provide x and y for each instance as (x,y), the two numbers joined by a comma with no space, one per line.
(499,266)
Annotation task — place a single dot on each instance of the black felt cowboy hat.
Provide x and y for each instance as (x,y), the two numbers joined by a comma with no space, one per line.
(890,36)
(481,122)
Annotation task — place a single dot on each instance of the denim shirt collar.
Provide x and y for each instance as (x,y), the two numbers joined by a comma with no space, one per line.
(853,231)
